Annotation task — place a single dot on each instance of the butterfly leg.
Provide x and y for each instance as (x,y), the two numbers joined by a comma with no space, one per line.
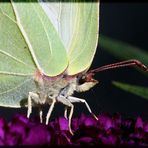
(41,114)
(50,110)
(66,102)
(65,112)
(75,100)
(31,97)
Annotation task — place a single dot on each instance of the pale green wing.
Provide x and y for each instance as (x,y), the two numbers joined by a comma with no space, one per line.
(16,63)
(43,41)
(14,90)
(84,38)
(77,23)
(28,42)
(62,15)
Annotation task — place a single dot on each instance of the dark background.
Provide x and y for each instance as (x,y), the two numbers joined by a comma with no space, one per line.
(127,22)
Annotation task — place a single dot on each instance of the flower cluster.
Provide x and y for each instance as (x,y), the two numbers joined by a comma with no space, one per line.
(107,130)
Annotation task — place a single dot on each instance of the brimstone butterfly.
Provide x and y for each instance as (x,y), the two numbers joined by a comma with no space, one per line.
(46,49)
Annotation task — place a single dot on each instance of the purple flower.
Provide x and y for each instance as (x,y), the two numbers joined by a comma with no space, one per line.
(145,126)
(60,134)
(107,130)
(139,123)
(106,122)
(37,135)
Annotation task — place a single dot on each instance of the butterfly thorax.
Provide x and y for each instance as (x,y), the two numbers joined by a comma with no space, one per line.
(52,87)
(49,88)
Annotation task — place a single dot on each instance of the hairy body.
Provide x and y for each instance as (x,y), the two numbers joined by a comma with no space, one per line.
(58,89)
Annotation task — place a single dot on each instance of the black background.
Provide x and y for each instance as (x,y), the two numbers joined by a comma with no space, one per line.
(127,22)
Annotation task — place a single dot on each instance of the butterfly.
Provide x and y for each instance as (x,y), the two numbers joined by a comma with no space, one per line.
(46,50)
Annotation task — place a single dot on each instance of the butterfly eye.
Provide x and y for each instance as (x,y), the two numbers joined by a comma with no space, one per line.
(81,79)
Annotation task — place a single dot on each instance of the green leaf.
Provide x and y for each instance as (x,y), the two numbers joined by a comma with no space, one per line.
(123,50)
(137,90)
(77,25)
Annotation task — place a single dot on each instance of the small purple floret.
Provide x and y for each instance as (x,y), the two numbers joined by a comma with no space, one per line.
(107,130)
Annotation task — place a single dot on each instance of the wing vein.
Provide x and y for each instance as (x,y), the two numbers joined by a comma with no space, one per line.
(74,40)
(12,57)
(7,16)
(15,87)
(44,31)
(15,74)
(26,37)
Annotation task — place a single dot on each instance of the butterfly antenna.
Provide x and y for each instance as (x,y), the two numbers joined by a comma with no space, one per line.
(127,63)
